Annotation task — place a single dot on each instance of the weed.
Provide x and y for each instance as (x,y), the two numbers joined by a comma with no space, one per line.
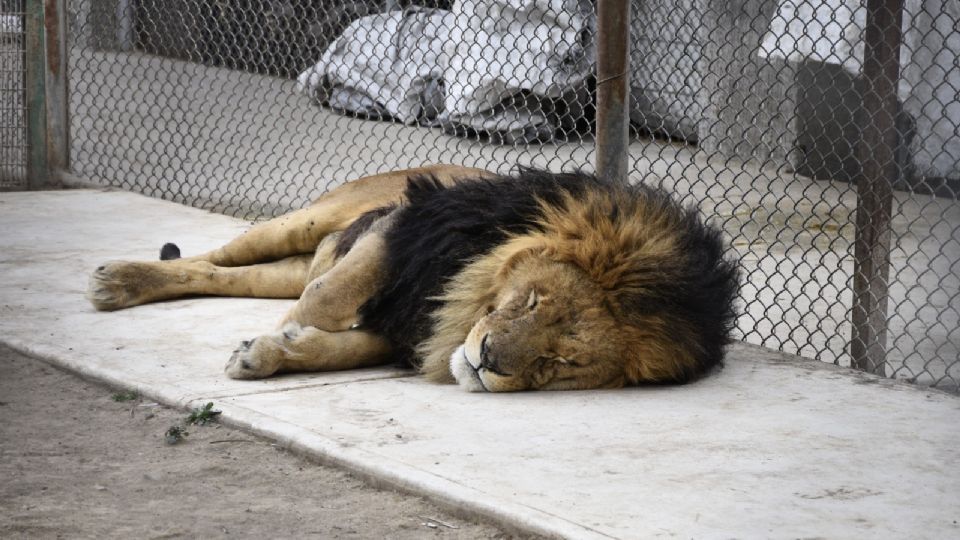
(175,434)
(127,395)
(203,415)
(200,416)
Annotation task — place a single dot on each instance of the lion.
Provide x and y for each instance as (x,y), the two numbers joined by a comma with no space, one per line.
(527,281)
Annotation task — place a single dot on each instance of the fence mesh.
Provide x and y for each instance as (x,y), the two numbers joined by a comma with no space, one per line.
(13,121)
(752,110)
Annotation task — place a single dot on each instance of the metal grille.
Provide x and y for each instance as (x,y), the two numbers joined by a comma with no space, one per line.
(771,93)
(198,102)
(754,110)
(13,122)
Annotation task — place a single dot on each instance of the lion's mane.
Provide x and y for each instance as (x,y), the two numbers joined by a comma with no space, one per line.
(661,264)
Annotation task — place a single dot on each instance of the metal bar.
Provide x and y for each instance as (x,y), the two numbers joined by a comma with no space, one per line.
(58,124)
(881,70)
(613,88)
(37,172)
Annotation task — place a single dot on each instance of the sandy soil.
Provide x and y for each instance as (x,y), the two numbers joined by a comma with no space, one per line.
(76,464)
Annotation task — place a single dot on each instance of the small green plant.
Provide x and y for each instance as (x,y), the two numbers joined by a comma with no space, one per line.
(175,434)
(199,416)
(126,395)
(203,415)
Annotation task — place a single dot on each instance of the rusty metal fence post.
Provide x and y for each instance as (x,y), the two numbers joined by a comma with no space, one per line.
(613,88)
(881,71)
(37,171)
(56,91)
(46,83)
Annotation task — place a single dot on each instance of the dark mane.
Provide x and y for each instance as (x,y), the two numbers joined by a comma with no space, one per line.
(443,228)
(440,230)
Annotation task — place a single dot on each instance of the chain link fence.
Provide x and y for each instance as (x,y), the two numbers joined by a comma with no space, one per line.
(754,110)
(13,123)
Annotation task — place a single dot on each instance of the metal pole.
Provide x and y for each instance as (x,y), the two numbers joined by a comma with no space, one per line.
(58,135)
(613,88)
(881,70)
(37,172)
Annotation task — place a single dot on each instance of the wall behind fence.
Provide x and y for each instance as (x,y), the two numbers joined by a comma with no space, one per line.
(750,109)
(199,102)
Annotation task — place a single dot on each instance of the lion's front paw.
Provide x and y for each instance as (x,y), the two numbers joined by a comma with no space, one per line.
(114,285)
(254,359)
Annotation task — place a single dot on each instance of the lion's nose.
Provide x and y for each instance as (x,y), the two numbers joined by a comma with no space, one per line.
(487,361)
(485,351)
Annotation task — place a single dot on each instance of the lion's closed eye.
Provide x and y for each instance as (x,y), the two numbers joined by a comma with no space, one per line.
(533,300)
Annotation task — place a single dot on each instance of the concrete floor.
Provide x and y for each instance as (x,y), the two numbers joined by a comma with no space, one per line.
(771,446)
(250,145)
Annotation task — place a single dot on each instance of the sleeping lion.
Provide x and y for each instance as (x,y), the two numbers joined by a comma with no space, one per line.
(531,281)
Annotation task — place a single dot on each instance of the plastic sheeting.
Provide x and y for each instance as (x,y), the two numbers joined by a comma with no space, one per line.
(486,66)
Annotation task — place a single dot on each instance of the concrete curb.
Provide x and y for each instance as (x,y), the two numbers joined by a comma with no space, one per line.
(377,470)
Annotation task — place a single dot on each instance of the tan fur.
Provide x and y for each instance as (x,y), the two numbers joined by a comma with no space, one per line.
(282,241)
(299,348)
(301,231)
(120,284)
(287,257)
(547,305)
(330,302)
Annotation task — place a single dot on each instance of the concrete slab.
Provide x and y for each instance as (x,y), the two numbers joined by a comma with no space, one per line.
(771,446)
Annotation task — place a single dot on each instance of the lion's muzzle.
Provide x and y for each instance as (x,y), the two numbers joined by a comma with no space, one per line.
(466,372)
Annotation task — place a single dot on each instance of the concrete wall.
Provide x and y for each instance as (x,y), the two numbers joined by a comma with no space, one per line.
(773,82)
(930,87)
(665,59)
(825,41)
(749,102)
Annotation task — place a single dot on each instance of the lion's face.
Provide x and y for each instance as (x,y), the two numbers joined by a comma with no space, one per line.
(549,328)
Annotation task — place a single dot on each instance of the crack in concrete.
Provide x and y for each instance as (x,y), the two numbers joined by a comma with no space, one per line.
(229,395)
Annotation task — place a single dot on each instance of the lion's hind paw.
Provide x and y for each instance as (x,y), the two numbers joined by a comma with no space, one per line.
(108,290)
(254,359)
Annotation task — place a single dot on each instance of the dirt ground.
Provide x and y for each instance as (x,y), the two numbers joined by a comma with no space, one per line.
(74,463)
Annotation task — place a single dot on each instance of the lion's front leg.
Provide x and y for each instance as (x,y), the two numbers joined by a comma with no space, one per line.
(298,348)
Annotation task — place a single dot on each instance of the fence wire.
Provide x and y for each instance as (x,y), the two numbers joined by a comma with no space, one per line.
(753,110)
(13,122)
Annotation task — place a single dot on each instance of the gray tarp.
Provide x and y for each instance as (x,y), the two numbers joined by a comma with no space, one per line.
(476,66)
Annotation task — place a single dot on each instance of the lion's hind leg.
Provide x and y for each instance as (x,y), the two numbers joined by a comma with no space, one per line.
(305,348)
(295,233)
(299,232)
(121,284)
